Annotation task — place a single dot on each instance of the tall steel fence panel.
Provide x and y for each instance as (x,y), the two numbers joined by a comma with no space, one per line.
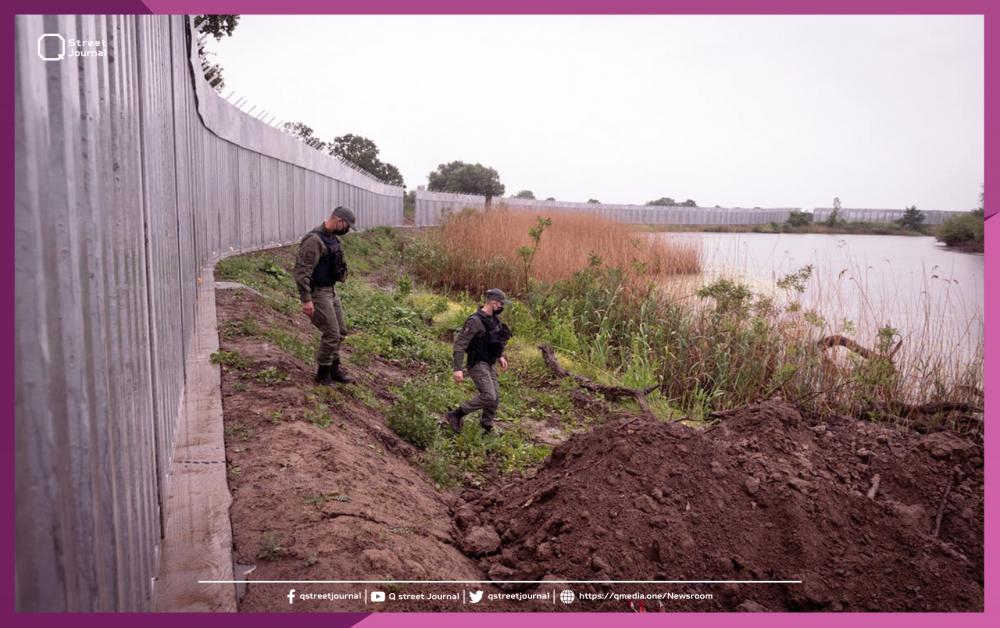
(131,175)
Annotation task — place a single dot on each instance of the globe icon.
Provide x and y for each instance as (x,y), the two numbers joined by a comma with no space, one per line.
(567,596)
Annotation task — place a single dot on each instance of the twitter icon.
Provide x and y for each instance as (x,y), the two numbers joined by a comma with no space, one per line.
(475,596)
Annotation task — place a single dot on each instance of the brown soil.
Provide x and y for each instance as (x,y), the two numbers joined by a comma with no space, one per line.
(310,503)
(768,494)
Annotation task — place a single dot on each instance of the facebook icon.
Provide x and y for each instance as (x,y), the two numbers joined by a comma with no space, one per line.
(291,595)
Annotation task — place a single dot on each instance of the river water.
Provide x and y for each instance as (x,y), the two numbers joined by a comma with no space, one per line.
(932,295)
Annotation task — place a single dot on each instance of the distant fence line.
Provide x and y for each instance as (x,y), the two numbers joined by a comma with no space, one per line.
(931,216)
(132,175)
(431,206)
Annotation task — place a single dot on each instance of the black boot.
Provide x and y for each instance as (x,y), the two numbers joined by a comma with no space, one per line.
(323,374)
(454,419)
(487,429)
(338,375)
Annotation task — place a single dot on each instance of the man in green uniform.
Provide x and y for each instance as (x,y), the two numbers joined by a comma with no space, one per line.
(482,339)
(319,265)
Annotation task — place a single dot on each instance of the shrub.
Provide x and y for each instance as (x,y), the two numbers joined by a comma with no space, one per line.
(415,415)
(799,219)
(964,231)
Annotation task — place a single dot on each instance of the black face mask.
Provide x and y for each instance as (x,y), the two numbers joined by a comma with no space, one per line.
(497,309)
(341,231)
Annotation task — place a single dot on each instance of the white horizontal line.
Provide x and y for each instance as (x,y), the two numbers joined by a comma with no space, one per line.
(499,581)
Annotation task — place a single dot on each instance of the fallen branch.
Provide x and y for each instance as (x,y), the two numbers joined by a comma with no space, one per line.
(837,340)
(611,392)
(944,503)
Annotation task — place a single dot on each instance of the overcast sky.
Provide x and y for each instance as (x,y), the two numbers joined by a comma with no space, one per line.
(780,111)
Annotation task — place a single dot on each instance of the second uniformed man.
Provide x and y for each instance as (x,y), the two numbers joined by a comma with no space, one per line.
(481,342)
(320,264)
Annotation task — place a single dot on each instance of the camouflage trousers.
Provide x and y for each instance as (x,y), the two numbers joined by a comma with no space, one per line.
(328,317)
(484,375)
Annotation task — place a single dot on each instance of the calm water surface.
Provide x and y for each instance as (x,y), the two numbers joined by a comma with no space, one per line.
(933,295)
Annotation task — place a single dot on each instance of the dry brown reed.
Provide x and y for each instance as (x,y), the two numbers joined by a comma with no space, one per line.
(481,249)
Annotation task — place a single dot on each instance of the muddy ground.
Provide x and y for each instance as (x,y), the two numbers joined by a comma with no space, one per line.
(768,494)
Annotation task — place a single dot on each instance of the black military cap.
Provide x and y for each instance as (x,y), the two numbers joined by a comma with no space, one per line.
(345,214)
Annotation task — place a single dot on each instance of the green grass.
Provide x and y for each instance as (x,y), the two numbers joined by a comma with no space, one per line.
(271,375)
(595,333)
(238,431)
(231,359)
(319,415)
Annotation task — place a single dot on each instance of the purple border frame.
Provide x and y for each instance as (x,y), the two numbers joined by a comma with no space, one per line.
(991,13)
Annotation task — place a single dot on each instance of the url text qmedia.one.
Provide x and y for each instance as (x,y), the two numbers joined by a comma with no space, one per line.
(639,595)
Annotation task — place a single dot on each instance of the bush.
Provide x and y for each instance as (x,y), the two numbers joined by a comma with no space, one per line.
(415,415)
(966,231)
(799,219)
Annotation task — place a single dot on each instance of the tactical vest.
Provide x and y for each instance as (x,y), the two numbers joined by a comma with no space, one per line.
(488,347)
(331,267)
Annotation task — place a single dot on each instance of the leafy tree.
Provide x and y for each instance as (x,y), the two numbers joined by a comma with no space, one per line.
(664,201)
(363,153)
(912,219)
(218,26)
(594,201)
(833,219)
(798,219)
(355,149)
(836,202)
(550,198)
(525,194)
(389,173)
(689,203)
(463,178)
(304,133)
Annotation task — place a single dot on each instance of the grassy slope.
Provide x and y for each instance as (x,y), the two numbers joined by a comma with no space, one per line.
(410,326)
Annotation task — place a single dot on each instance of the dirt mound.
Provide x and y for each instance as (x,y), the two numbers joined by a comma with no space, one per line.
(322,492)
(849,508)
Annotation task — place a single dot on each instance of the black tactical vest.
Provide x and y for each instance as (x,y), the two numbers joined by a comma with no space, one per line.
(331,267)
(488,347)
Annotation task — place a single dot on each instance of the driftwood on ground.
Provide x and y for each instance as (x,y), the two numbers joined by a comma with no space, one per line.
(898,408)
(838,340)
(611,392)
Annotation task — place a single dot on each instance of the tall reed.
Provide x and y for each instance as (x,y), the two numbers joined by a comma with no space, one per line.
(478,250)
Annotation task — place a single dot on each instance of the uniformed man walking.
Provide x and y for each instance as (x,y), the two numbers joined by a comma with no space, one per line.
(482,341)
(320,264)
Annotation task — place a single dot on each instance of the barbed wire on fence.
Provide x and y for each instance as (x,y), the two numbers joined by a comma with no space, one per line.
(265,116)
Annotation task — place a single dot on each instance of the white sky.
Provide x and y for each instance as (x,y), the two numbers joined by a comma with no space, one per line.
(882,111)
